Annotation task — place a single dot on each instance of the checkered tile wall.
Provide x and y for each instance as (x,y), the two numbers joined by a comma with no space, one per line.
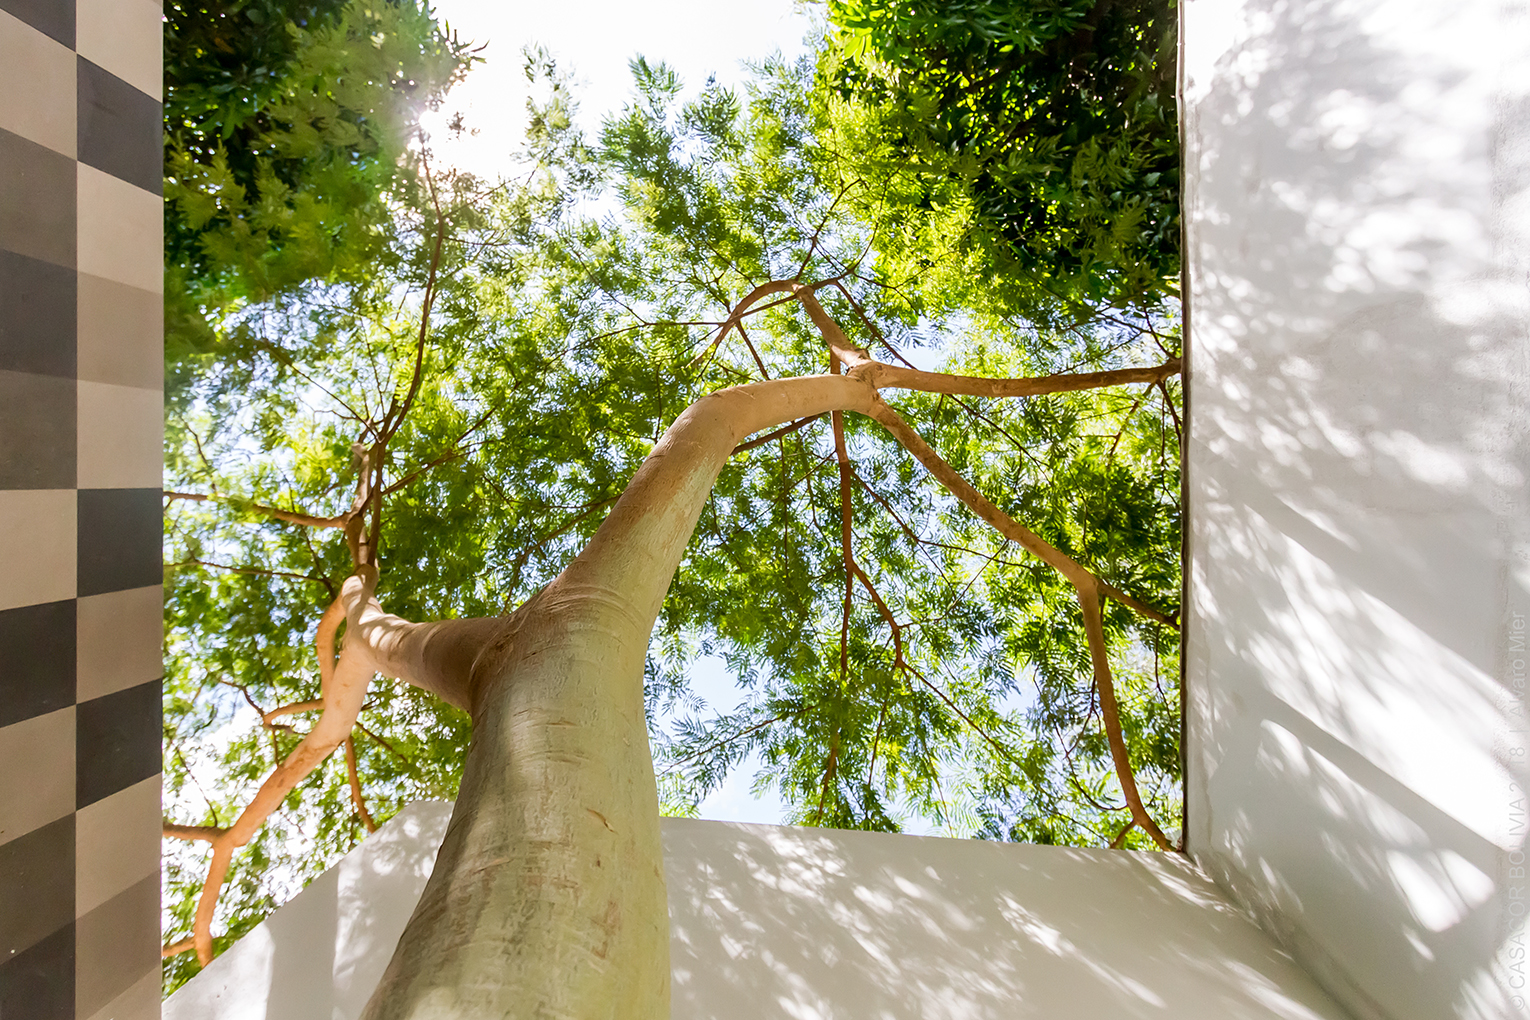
(80,437)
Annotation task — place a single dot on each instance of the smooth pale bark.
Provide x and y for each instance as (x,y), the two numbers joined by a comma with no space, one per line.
(547,899)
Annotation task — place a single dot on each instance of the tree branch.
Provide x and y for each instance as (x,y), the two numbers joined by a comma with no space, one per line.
(290,516)
(784,430)
(355,781)
(344,683)
(209,833)
(1083,582)
(255,571)
(269,718)
(394,419)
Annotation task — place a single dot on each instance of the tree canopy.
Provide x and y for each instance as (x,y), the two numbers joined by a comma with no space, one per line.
(287,131)
(458,410)
(1029,145)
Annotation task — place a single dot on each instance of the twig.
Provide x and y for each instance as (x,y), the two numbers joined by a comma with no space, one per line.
(290,516)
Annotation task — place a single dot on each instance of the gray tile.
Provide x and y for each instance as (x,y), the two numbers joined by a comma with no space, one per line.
(139,1002)
(37,80)
(54,18)
(37,204)
(38,316)
(114,944)
(37,897)
(38,984)
(119,539)
(37,431)
(117,742)
(120,437)
(37,660)
(118,641)
(37,546)
(118,128)
(121,333)
(37,785)
(116,844)
(125,37)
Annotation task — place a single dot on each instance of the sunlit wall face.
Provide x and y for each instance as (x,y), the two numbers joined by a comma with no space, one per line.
(779,921)
(1358,230)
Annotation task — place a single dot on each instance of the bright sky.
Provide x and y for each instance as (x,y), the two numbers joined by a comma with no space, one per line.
(596,39)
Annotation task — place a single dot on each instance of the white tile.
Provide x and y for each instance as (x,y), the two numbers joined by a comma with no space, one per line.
(121,230)
(121,334)
(123,37)
(36,772)
(120,432)
(118,641)
(37,81)
(116,844)
(37,546)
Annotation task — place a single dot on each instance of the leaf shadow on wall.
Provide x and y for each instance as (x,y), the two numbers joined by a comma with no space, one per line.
(1359,506)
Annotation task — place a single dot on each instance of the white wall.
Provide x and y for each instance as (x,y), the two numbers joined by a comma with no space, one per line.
(1358,222)
(813,924)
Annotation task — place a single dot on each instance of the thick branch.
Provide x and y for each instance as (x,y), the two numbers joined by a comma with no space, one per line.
(893,377)
(438,657)
(884,376)
(269,718)
(344,684)
(637,548)
(210,833)
(1110,713)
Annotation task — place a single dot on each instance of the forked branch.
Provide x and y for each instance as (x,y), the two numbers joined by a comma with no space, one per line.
(343,683)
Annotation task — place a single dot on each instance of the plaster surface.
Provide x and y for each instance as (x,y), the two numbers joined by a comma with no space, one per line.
(1358,239)
(774,921)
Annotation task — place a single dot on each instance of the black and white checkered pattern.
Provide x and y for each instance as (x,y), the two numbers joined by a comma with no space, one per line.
(80,453)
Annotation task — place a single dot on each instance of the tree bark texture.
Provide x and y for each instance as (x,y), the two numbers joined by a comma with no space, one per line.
(548,898)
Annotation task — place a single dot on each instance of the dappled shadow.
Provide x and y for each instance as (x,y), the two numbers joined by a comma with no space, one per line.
(773,921)
(1359,187)
(320,955)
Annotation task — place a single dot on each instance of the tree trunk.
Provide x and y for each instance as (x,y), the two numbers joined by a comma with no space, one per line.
(548,899)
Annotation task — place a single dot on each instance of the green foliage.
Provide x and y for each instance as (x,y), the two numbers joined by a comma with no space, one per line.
(287,124)
(576,317)
(1032,144)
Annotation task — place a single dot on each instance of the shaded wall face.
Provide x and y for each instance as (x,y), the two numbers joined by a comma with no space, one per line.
(1358,226)
(80,428)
